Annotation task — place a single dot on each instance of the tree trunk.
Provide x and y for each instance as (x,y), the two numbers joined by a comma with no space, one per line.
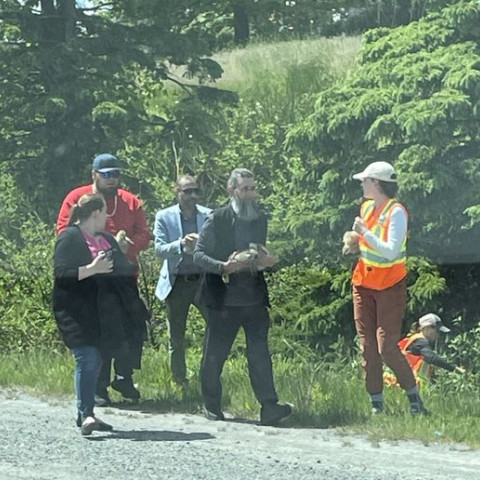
(47,7)
(58,20)
(68,12)
(241,24)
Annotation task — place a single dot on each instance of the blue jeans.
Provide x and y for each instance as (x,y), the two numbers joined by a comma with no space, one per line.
(86,372)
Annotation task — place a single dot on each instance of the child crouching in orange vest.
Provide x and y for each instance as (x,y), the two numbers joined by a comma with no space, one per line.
(418,351)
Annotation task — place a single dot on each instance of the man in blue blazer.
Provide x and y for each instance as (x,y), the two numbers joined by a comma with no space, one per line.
(176,232)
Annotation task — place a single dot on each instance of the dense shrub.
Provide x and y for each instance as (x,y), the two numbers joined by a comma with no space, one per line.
(26,289)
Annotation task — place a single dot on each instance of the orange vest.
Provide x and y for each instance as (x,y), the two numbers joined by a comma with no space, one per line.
(421,369)
(372,270)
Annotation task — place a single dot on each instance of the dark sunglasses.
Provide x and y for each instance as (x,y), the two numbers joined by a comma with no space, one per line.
(191,191)
(248,189)
(110,174)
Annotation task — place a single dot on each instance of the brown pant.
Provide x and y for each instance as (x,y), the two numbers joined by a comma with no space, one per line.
(378,319)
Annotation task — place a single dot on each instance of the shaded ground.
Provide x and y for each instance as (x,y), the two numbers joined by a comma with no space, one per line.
(39,440)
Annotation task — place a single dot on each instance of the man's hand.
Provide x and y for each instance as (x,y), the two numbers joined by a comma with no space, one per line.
(460,370)
(188,242)
(232,265)
(123,241)
(266,260)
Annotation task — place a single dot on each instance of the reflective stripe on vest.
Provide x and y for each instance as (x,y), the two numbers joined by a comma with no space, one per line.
(373,270)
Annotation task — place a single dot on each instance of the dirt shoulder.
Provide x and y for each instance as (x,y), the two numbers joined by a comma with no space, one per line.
(39,440)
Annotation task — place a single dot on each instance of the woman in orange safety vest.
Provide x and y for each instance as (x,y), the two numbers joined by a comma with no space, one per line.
(379,284)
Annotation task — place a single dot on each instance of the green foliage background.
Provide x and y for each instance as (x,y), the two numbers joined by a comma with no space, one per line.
(138,80)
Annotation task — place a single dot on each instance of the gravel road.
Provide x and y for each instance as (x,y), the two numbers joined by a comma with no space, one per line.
(39,441)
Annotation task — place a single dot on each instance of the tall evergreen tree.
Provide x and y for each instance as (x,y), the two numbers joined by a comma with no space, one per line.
(413,101)
(73,78)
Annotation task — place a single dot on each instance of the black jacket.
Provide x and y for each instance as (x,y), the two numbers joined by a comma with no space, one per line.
(217,242)
(421,347)
(104,310)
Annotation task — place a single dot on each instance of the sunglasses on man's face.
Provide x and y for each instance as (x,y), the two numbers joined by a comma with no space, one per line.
(191,191)
(248,188)
(110,174)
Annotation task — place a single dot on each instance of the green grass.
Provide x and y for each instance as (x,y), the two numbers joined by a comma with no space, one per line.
(43,373)
(245,68)
(324,395)
(279,78)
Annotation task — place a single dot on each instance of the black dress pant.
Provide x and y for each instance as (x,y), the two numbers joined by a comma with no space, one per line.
(122,364)
(222,328)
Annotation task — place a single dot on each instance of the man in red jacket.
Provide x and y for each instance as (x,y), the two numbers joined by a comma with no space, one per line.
(124,209)
(126,220)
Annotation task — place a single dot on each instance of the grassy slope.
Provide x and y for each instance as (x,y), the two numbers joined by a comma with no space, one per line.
(279,74)
(324,395)
(298,60)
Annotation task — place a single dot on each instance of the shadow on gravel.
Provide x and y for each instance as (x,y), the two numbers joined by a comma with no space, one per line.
(241,420)
(152,436)
(157,407)
(152,406)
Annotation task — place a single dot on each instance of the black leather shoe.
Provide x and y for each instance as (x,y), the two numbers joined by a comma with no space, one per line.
(101,426)
(273,414)
(126,388)
(88,426)
(213,414)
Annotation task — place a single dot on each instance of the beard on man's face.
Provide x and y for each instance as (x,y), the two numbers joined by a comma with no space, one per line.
(110,191)
(246,209)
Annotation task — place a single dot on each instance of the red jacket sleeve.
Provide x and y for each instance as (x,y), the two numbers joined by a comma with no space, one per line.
(68,203)
(141,233)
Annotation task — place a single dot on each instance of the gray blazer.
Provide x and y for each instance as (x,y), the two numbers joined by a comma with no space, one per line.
(168,233)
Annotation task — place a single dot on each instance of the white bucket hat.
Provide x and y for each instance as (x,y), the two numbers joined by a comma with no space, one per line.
(380,171)
(432,320)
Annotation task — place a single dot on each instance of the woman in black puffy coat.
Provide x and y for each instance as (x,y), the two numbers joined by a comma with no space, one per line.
(96,303)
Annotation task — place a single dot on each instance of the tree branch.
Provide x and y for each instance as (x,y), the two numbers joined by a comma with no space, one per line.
(184,86)
(99,7)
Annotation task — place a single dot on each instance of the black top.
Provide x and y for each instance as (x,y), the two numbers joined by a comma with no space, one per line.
(103,310)
(217,241)
(421,347)
(243,289)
